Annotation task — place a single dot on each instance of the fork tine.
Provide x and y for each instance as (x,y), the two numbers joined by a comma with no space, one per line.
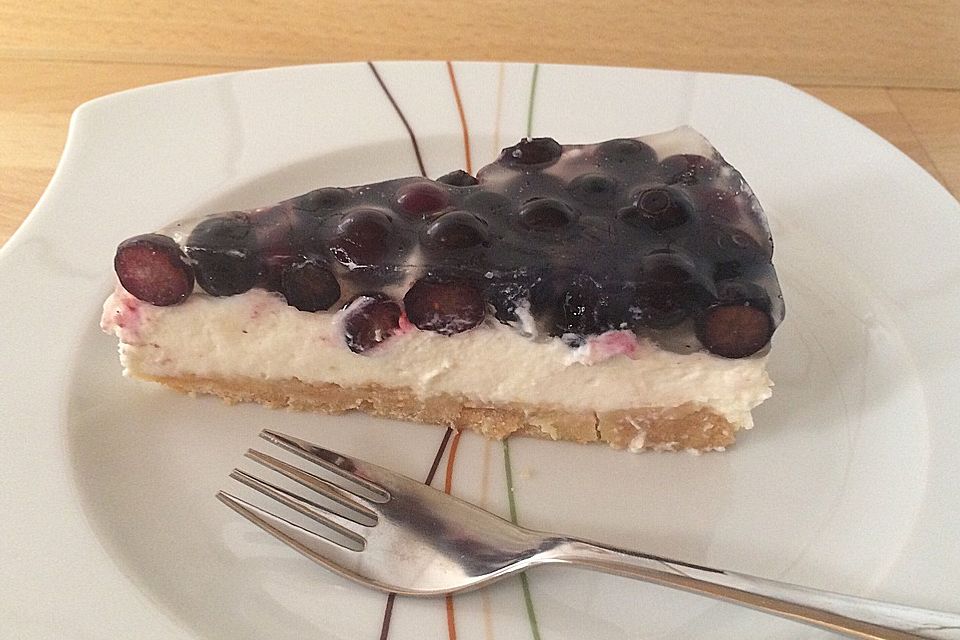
(369,476)
(317,547)
(353,504)
(331,520)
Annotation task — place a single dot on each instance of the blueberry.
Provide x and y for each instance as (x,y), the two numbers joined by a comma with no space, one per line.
(446,307)
(546,214)
(309,285)
(283,235)
(738,324)
(456,230)
(507,291)
(575,303)
(322,200)
(369,321)
(667,290)
(688,169)
(362,238)
(731,250)
(659,208)
(719,206)
(223,249)
(626,152)
(594,189)
(458,178)
(531,152)
(152,268)
(420,199)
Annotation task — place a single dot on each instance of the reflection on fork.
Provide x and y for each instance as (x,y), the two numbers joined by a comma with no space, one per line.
(392,533)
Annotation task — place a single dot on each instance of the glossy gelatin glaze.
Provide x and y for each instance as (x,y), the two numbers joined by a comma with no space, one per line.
(657,234)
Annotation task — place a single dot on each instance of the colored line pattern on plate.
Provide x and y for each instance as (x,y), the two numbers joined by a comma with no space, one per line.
(451,458)
(403,118)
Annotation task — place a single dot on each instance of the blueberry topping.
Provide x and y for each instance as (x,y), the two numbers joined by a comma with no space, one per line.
(421,199)
(688,169)
(362,238)
(546,214)
(659,208)
(458,178)
(579,240)
(456,230)
(309,286)
(446,307)
(594,189)
(531,152)
(152,268)
(369,321)
(223,250)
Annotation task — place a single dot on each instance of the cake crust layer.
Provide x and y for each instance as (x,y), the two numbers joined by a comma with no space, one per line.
(686,427)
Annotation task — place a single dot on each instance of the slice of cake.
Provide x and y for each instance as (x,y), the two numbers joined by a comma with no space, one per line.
(620,292)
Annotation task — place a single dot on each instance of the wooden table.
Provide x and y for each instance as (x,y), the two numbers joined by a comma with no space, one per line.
(894,66)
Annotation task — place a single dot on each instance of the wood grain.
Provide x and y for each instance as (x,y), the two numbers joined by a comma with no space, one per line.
(934,118)
(879,43)
(881,62)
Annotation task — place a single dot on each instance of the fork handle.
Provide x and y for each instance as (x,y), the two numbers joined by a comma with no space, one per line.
(848,615)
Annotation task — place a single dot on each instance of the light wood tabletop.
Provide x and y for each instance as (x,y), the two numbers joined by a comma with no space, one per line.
(894,66)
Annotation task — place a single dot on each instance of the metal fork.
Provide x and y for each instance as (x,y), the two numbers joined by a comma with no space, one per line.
(398,535)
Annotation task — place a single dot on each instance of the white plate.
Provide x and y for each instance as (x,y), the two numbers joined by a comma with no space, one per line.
(109,525)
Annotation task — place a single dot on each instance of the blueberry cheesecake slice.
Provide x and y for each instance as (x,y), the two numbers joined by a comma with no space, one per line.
(620,292)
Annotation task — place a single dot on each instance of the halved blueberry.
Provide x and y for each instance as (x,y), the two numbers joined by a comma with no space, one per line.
(446,307)
(369,321)
(152,268)
(738,324)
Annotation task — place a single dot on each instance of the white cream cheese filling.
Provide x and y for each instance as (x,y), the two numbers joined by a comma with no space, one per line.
(257,335)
